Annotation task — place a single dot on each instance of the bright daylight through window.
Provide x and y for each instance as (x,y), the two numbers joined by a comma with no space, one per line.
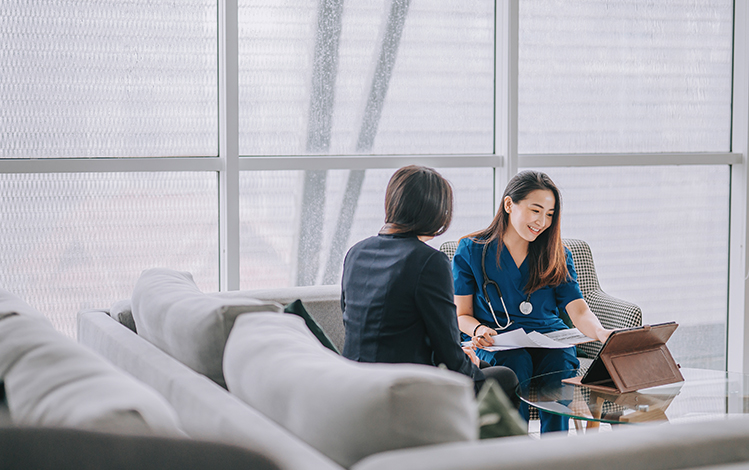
(362,81)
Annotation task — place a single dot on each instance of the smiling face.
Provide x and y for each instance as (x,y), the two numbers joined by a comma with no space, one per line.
(531,216)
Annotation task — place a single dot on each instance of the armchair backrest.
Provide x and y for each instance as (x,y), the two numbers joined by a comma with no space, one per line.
(586,270)
(449,248)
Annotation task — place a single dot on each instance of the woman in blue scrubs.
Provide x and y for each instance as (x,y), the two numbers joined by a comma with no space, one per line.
(521,255)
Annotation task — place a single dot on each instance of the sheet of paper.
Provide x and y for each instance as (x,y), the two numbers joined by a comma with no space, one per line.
(543,341)
(516,339)
(571,336)
(511,340)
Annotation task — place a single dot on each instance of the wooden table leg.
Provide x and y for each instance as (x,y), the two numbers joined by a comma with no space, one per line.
(596,414)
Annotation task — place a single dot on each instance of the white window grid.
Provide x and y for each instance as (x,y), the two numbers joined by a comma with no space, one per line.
(505,160)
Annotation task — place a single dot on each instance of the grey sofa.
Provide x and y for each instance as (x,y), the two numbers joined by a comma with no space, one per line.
(62,406)
(209,411)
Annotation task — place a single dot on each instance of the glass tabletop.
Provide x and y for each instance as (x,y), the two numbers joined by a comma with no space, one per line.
(704,394)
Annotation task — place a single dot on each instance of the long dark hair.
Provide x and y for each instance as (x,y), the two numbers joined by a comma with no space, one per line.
(547,262)
(418,200)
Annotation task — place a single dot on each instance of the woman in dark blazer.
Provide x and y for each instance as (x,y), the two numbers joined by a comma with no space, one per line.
(397,291)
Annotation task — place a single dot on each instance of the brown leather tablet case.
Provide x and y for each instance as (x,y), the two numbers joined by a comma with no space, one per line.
(633,359)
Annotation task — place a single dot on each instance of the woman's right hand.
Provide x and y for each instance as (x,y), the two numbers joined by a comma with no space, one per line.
(483,337)
(471,355)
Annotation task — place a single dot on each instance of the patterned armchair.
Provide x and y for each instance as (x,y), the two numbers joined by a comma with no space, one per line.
(612,312)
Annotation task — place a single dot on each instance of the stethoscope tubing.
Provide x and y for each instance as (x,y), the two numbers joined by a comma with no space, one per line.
(487,282)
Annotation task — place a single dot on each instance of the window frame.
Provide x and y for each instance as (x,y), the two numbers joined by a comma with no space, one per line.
(738,278)
(505,159)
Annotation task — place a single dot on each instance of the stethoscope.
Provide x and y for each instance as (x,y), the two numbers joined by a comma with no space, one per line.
(525,306)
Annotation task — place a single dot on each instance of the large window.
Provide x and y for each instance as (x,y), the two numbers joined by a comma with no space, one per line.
(624,76)
(108,79)
(80,240)
(634,76)
(273,226)
(121,103)
(358,77)
(364,76)
(659,237)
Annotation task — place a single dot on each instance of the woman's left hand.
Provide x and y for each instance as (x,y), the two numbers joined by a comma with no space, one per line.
(585,321)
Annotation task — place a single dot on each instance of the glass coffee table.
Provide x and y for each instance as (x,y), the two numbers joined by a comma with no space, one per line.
(703,395)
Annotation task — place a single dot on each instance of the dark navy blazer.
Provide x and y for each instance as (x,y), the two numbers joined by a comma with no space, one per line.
(398,306)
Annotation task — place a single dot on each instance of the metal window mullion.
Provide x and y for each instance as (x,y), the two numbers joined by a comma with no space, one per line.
(228,112)
(358,162)
(737,351)
(364,162)
(109,165)
(629,159)
(506,93)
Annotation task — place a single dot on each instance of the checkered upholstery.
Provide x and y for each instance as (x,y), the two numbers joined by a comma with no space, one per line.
(612,312)
(449,248)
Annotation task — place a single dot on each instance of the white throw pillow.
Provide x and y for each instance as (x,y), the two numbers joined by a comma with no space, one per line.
(50,380)
(344,409)
(172,313)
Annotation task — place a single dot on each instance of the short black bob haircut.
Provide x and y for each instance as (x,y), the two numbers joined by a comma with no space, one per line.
(418,201)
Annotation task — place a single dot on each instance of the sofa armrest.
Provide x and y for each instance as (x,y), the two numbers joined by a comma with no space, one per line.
(651,446)
(206,410)
(613,312)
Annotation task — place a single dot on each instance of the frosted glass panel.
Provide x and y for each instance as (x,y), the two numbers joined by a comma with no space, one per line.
(659,237)
(624,76)
(75,241)
(281,247)
(108,79)
(376,77)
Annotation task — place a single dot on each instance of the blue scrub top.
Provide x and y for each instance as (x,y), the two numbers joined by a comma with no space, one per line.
(469,279)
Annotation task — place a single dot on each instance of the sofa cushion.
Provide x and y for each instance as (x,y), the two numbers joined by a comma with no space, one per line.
(322,302)
(172,313)
(346,410)
(50,380)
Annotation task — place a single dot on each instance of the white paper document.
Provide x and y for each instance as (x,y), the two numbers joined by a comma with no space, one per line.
(520,339)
